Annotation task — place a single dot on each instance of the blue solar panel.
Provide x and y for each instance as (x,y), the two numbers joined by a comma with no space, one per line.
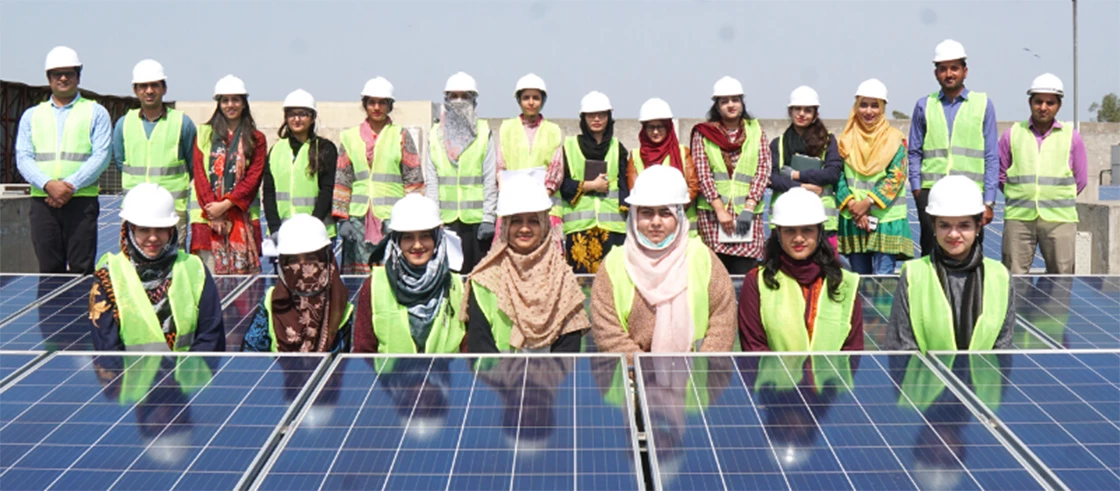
(239,311)
(1075,312)
(437,423)
(13,362)
(792,422)
(18,291)
(1109,193)
(1063,406)
(109,224)
(146,422)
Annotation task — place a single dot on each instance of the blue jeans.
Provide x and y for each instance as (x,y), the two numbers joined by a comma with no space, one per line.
(872,263)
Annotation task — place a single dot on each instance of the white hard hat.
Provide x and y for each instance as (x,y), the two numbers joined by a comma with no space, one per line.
(460,82)
(522,194)
(379,88)
(655,109)
(948,50)
(414,213)
(530,81)
(659,185)
(149,205)
(147,71)
(804,96)
(300,234)
(726,87)
(62,57)
(872,88)
(229,85)
(955,196)
(797,207)
(1047,83)
(594,102)
(300,98)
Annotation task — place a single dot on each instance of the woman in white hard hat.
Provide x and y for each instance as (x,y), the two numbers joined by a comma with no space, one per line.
(662,291)
(659,146)
(151,296)
(411,303)
(377,164)
(301,167)
(955,298)
(807,157)
(229,162)
(733,164)
(874,230)
(591,205)
(523,296)
(462,169)
(308,311)
(799,298)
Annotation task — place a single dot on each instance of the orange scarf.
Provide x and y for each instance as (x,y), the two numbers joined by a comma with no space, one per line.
(868,148)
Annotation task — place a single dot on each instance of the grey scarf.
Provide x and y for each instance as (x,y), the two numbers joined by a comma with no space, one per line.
(421,290)
(459,126)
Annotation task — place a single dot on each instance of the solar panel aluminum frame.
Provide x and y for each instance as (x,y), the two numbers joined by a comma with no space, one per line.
(259,479)
(241,287)
(40,357)
(39,301)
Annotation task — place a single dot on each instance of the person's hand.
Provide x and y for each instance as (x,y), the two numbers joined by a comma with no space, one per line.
(599,185)
(859,208)
(815,189)
(787,172)
(58,192)
(744,222)
(485,231)
(347,231)
(989,214)
(917,193)
(726,220)
(863,223)
(218,209)
(219,227)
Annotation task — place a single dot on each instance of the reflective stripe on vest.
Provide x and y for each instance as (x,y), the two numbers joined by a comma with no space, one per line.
(861,187)
(519,155)
(592,211)
(733,190)
(962,153)
(783,314)
(275,346)
(931,314)
(140,329)
(155,158)
(460,186)
(390,319)
(1040,183)
(203,142)
(699,259)
(59,159)
(828,193)
(921,386)
(785,372)
(690,211)
(296,190)
(380,185)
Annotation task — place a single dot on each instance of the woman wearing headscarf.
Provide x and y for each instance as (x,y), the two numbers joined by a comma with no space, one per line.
(301,167)
(955,298)
(377,164)
(808,137)
(733,163)
(151,296)
(462,170)
(523,296)
(309,310)
(591,207)
(411,303)
(799,298)
(659,146)
(229,161)
(874,231)
(662,291)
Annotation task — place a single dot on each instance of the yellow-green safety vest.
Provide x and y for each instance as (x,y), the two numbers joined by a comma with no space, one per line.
(696,395)
(931,314)
(203,142)
(733,190)
(690,211)
(828,193)
(785,372)
(61,159)
(517,154)
(155,158)
(296,190)
(921,386)
(592,210)
(460,186)
(783,314)
(273,345)
(390,319)
(861,187)
(191,372)
(140,329)
(380,185)
(1040,183)
(964,154)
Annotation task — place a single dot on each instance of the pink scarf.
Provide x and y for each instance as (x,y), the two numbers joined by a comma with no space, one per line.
(661,278)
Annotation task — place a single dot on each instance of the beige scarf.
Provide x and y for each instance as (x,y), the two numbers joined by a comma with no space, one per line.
(661,277)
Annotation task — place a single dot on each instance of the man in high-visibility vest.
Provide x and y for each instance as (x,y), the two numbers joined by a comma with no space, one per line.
(62,147)
(155,143)
(952,132)
(1043,167)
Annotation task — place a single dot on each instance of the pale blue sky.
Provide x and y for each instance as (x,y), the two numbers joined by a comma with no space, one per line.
(631,50)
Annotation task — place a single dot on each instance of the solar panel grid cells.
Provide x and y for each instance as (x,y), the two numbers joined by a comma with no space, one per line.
(19,291)
(61,323)
(135,422)
(13,362)
(1076,313)
(787,423)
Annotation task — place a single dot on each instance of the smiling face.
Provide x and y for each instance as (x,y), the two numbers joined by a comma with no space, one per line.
(870,109)
(799,242)
(231,106)
(151,240)
(597,121)
(1044,107)
(64,81)
(299,119)
(525,232)
(150,93)
(531,101)
(377,109)
(656,223)
(730,107)
(950,74)
(656,130)
(802,116)
(418,247)
(956,235)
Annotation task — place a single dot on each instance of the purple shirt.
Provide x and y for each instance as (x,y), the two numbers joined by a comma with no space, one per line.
(1078,160)
(991,138)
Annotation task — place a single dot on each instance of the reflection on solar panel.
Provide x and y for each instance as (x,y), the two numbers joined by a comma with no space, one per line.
(19,291)
(1075,312)
(12,362)
(883,421)
(1064,406)
(437,423)
(145,422)
(238,312)
(60,323)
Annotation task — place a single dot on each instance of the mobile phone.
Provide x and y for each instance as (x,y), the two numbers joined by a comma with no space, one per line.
(873,223)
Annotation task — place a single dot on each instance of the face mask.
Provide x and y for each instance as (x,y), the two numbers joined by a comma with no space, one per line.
(658,246)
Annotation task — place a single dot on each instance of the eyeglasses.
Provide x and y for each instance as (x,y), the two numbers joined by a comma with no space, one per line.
(656,128)
(58,74)
(299,115)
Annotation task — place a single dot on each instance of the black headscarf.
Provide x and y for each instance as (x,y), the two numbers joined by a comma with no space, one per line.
(591,149)
(792,143)
(968,306)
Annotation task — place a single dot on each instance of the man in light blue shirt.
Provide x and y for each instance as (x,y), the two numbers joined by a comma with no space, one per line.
(62,147)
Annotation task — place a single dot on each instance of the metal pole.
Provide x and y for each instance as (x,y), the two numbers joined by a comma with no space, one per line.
(1076,123)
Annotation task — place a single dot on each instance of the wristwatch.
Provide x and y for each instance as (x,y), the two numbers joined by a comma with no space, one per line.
(990,204)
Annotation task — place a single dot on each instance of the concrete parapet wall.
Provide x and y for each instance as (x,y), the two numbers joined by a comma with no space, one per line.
(1102,220)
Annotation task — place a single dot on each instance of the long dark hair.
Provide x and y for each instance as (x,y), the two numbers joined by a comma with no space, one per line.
(715,117)
(221,126)
(824,256)
(815,136)
(313,164)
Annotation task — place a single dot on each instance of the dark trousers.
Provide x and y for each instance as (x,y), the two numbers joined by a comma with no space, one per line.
(737,264)
(928,239)
(65,239)
(473,249)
